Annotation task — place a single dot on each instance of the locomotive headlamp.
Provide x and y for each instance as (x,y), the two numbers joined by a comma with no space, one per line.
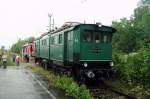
(85,64)
(111,63)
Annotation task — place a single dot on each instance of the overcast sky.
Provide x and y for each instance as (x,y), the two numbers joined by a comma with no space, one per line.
(25,18)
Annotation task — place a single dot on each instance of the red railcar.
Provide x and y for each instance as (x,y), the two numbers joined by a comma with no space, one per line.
(28,51)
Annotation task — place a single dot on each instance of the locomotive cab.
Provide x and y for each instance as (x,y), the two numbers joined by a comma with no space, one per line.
(96,51)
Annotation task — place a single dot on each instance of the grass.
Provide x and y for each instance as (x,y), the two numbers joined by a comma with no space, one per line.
(65,83)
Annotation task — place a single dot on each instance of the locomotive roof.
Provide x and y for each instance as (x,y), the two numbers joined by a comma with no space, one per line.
(67,28)
(101,28)
(42,36)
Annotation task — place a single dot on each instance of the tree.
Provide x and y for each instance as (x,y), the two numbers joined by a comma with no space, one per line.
(144,2)
(18,45)
(133,34)
(125,38)
(142,23)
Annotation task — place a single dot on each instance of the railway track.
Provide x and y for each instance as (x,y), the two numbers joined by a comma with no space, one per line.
(103,90)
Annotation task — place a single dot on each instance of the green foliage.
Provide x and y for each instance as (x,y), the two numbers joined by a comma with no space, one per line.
(18,45)
(134,33)
(144,2)
(133,38)
(124,39)
(133,69)
(142,22)
(66,83)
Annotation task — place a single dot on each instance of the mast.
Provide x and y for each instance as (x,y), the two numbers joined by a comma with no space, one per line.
(50,16)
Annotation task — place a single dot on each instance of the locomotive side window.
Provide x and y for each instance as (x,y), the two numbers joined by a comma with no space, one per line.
(87,37)
(60,38)
(56,39)
(69,36)
(42,42)
(52,40)
(45,43)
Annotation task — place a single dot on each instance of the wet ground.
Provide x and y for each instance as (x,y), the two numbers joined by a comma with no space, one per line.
(17,83)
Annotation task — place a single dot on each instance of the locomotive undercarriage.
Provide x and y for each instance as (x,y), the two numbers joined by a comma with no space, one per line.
(100,69)
(95,74)
(94,71)
(80,72)
(45,63)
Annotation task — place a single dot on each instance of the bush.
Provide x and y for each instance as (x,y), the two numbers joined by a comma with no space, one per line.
(133,69)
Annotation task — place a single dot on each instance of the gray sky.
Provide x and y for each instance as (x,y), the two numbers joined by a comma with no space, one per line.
(25,18)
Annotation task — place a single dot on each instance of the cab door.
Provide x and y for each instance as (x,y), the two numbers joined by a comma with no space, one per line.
(69,46)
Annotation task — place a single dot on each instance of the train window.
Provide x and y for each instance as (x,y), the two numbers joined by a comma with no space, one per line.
(60,39)
(42,42)
(52,40)
(107,38)
(70,35)
(47,40)
(97,37)
(56,39)
(45,43)
(87,37)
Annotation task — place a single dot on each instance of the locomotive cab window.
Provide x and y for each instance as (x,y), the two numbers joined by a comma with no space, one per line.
(97,37)
(87,37)
(107,38)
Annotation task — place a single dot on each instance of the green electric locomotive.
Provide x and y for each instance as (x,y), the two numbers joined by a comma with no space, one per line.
(83,49)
